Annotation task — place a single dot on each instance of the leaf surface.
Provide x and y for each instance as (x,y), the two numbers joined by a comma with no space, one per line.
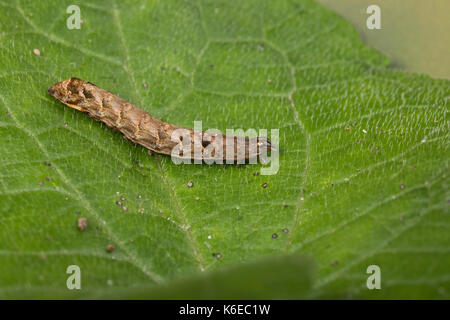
(363,175)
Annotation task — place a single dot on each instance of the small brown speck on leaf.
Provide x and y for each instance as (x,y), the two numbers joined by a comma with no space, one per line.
(124,208)
(41,183)
(285,230)
(123,199)
(119,203)
(77,212)
(163,68)
(401,218)
(197,198)
(211,66)
(274,236)
(48,178)
(48,164)
(255,174)
(285,206)
(264,185)
(190,184)
(139,196)
(37,52)
(82,224)
(402,186)
(145,85)
(110,248)
(334,263)
(260,47)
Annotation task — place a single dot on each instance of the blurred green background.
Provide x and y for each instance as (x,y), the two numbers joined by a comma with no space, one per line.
(414,33)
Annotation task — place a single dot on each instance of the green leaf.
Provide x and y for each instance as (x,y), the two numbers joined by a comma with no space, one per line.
(269,278)
(363,177)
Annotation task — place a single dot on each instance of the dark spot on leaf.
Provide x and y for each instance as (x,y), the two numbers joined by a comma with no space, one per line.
(48,164)
(145,85)
(334,263)
(48,179)
(255,174)
(217,255)
(264,185)
(163,68)
(402,186)
(110,248)
(190,184)
(119,203)
(123,199)
(274,236)
(285,230)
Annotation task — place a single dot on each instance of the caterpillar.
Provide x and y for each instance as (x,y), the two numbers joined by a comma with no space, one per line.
(157,136)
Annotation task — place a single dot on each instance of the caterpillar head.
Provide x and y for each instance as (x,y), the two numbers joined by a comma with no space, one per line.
(71,92)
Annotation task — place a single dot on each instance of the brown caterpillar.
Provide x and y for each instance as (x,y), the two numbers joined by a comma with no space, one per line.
(149,132)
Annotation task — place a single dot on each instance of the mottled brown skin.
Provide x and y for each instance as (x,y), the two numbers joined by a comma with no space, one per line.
(136,124)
